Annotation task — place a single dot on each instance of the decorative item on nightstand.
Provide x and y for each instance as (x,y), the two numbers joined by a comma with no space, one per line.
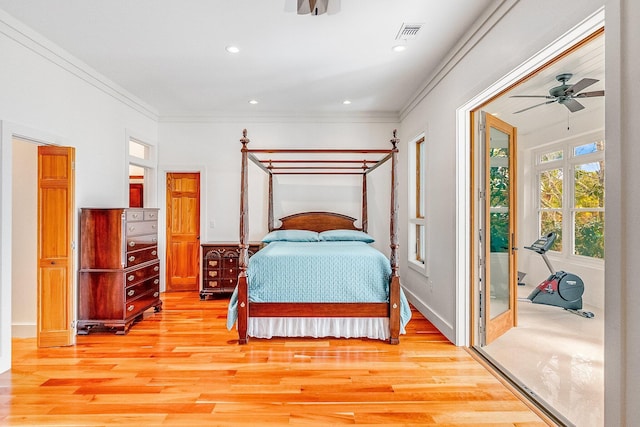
(119,268)
(220,267)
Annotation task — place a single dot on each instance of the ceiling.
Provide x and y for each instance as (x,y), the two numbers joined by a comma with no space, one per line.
(585,62)
(171,53)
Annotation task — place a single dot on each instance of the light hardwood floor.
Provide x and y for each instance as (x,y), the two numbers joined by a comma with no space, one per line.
(181,367)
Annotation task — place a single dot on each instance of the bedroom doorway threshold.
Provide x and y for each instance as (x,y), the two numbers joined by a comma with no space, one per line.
(528,396)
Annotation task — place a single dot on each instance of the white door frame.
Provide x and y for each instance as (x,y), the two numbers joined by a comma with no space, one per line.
(463,173)
(9,131)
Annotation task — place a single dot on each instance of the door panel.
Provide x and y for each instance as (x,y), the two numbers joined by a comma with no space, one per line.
(499,309)
(183,231)
(55,251)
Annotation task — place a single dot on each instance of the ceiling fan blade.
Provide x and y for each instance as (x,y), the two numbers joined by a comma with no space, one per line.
(589,94)
(532,96)
(534,106)
(572,105)
(579,86)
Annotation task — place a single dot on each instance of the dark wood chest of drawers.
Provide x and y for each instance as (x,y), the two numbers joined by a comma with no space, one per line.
(220,267)
(119,268)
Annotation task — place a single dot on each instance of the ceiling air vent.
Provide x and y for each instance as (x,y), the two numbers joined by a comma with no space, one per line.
(408,31)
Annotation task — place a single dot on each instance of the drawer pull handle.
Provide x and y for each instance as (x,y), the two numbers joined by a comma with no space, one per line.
(131,293)
(152,215)
(156,281)
(132,244)
(131,228)
(130,308)
(213,263)
(154,253)
(156,268)
(213,284)
(135,215)
(131,277)
(155,294)
(132,258)
(213,273)
(154,239)
(154,226)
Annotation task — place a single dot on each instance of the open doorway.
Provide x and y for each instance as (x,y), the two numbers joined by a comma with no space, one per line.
(554,356)
(42,242)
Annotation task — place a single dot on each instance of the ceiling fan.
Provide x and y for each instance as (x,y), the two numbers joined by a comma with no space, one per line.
(565,94)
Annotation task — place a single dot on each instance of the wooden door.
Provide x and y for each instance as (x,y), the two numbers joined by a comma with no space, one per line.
(499,292)
(183,231)
(136,195)
(55,246)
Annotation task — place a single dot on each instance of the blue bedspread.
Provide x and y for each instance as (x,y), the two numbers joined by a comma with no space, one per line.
(342,271)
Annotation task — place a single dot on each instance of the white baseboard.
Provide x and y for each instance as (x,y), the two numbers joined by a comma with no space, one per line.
(23,330)
(443,326)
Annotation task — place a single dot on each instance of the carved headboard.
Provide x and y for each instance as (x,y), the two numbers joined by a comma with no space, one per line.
(318,221)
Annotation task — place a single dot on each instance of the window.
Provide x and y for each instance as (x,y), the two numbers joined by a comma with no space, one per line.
(141,173)
(570,197)
(417,221)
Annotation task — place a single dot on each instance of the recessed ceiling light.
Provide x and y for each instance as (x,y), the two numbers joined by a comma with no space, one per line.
(232,49)
(346,102)
(399,48)
(253,102)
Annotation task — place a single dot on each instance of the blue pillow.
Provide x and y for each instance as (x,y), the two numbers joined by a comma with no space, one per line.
(291,236)
(345,235)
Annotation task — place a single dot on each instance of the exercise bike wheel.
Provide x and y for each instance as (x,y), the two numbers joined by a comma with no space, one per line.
(570,287)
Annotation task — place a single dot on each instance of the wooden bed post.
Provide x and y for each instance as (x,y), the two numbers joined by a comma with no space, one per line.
(394,285)
(243,301)
(270,213)
(365,217)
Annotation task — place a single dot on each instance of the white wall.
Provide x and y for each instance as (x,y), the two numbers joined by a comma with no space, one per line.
(24,243)
(50,97)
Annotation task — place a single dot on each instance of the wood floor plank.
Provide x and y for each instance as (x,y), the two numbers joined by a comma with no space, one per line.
(182,367)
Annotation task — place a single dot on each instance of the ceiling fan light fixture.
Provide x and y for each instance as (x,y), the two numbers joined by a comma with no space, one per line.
(565,93)
(346,102)
(232,49)
(399,48)
(313,7)
(253,102)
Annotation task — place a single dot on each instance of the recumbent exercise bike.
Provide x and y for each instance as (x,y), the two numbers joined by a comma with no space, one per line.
(560,289)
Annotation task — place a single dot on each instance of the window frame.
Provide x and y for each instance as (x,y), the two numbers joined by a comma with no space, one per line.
(149,163)
(418,258)
(567,164)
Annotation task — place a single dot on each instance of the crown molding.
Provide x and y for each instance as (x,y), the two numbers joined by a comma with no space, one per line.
(368,117)
(35,42)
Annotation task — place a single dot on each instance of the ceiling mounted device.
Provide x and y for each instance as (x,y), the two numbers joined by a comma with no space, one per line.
(313,7)
(565,94)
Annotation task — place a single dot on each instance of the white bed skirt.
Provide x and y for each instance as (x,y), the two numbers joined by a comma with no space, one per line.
(354,327)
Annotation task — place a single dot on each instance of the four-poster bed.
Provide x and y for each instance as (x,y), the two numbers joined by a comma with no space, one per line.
(366,299)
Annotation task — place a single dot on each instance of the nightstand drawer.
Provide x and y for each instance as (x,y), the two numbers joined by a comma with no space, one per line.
(220,267)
